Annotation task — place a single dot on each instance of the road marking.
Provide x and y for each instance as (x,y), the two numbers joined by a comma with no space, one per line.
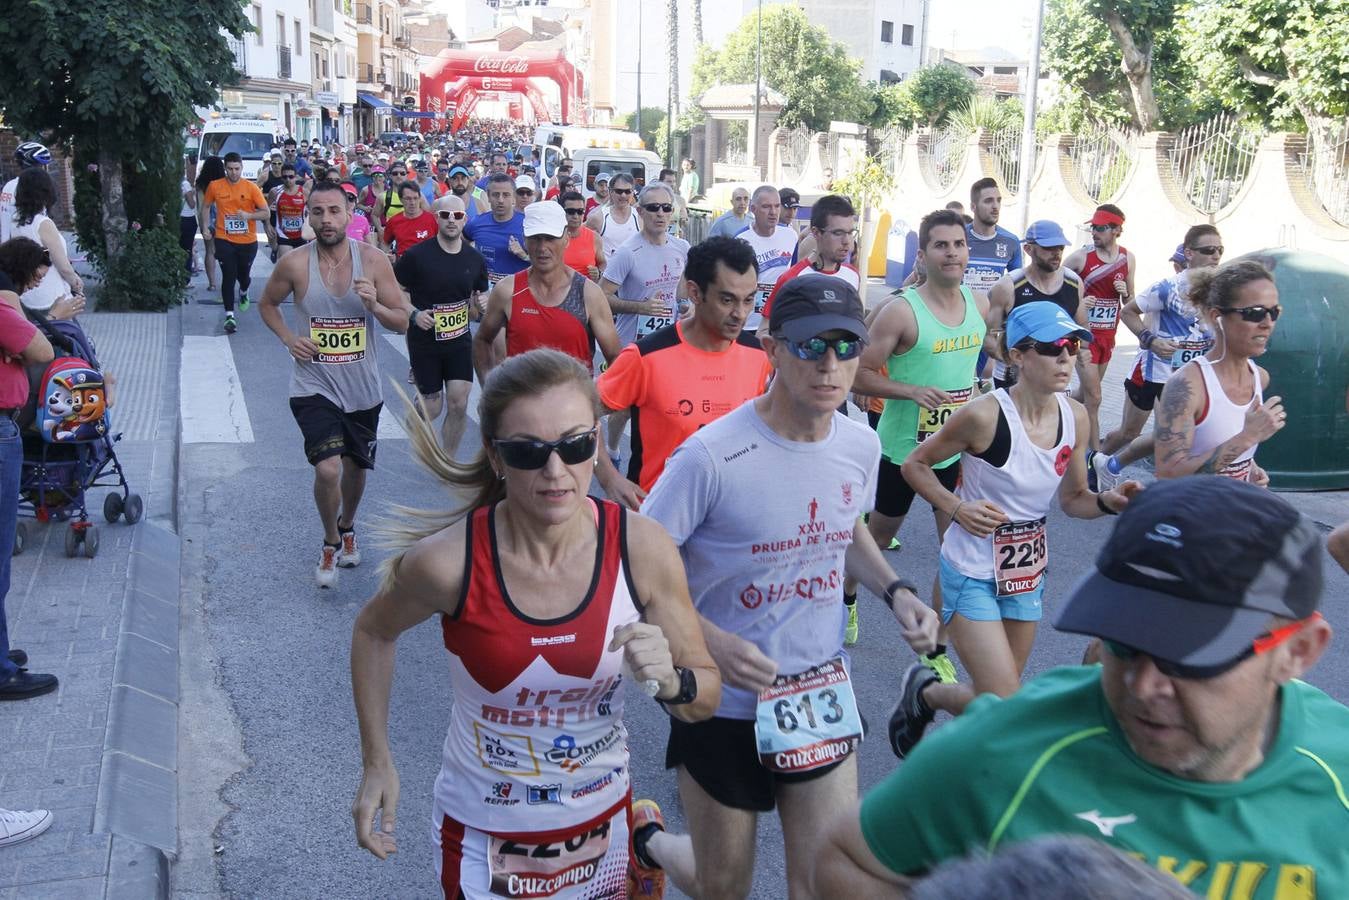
(211,399)
(399,343)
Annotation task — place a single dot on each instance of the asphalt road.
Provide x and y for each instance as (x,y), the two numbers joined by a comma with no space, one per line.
(269,733)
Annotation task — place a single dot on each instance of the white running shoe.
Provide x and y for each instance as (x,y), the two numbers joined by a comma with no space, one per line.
(17,826)
(326,571)
(1105,479)
(350,555)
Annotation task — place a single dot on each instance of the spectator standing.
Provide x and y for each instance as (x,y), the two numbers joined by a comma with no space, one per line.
(60,292)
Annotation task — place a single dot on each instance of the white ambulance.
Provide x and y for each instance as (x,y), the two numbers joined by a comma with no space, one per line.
(252,139)
(595,149)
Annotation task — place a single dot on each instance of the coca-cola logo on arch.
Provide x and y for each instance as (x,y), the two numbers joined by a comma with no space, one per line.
(505,65)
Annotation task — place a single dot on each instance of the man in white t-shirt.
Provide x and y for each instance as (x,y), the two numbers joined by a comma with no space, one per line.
(773,246)
(28,155)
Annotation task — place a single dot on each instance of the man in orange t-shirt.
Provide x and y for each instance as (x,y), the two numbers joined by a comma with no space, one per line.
(239,207)
(683,376)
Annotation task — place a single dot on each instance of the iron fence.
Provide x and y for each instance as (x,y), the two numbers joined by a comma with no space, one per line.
(889,146)
(1326,167)
(1211,160)
(1005,147)
(946,155)
(796,152)
(1102,156)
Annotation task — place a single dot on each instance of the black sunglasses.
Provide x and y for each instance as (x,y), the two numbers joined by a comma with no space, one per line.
(531,454)
(1052,348)
(1209,251)
(816,347)
(658,207)
(1254,314)
(399,172)
(46,257)
(573,211)
(1261,643)
(621,190)
(1100,228)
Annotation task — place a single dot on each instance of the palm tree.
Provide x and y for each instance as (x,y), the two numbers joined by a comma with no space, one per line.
(672,97)
(697,23)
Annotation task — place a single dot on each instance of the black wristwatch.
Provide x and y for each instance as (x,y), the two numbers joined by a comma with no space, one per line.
(688,688)
(898,584)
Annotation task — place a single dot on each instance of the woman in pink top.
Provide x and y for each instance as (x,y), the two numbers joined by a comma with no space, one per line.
(358,229)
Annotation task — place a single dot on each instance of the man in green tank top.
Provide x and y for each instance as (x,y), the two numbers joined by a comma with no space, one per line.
(920,358)
(1193,747)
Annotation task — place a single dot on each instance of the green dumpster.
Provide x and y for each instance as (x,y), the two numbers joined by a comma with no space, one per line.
(1308,363)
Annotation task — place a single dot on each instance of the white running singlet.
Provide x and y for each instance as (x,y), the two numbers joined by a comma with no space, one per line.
(1221,420)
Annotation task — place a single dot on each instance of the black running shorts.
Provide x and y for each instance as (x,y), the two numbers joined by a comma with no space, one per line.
(436,362)
(329,431)
(894,496)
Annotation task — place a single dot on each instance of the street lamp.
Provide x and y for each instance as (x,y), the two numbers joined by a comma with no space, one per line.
(758,88)
(1028,126)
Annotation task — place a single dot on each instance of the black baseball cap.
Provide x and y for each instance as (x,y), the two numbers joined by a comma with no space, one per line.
(810,305)
(1194,570)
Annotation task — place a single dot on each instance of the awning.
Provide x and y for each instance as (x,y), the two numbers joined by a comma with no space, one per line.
(374,102)
(414,114)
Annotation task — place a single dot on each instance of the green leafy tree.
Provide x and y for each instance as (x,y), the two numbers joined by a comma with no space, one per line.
(800,61)
(118,82)
(653,125)
(930,95)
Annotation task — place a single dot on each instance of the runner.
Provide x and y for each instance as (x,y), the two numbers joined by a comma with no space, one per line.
(773,246)
(392,201)
(618,222)
(547,304)
(407,229)
(920,357)
(689,373)
(1107,272)
(1193,746)
(790,201)
(765,504)
(302,167)
(239,207)
(341,288)
(542,593)
(446,280)
(1018,448)
(1214,415)
(585,250)
(289,212)
(28,155)
(833,226)
(358,229)
(525,192)
(735,219)
(994,251)
(1042,280)
(601,199)
(1173,333)
(499,234)
(679,222)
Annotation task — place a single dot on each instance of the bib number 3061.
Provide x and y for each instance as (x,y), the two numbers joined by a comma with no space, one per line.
(808,720)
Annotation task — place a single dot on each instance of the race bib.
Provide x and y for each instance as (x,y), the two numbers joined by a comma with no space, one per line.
(647,324)
(545,870)
(761,298)
(1019,556)
(292,223)
(1103,313)
(1239,470)
(451,320)
(338,339)
(492,279)
(930,420)
(807,720)
(236,225)
(1188,350)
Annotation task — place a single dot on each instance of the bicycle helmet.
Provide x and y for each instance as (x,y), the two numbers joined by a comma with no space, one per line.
(30,154)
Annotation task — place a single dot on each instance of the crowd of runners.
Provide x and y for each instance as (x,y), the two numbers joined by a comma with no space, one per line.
(720,571)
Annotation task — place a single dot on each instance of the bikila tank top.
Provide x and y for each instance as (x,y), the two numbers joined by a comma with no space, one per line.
(564,327)
(290,214)
(1023,487)
(1024,292)
(52,287)
(1221,420)
(942,356)
(1102,284)
(536,739)
(344,370)
(615,234)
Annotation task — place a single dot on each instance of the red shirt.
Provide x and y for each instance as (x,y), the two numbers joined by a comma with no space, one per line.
(847,272)
(405,233)
(564,327)
(16,333)
(580,253)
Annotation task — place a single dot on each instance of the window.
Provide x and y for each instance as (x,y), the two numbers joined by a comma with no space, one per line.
(257,23)
(299,39)
(325,65)
(906,35)
(887,32)
(1004,70)
(280,29)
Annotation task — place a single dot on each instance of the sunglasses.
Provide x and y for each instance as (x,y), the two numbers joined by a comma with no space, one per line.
(399,172)
(1052,348)
(1209,251)
(623,191)
(46,257)
(1260,644)
(816,347)
(573,211)
(1254,314)
(1100,228)
(448,214)
(658,207)
(530,455)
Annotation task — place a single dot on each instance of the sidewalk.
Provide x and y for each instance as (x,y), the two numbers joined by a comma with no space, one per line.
(100,753)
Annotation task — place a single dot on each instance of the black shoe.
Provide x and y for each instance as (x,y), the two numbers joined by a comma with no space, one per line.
(1091,473)
(18,657)
(910,716)
(25,684)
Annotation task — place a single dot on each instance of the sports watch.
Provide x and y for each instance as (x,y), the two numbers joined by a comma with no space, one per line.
(688,688)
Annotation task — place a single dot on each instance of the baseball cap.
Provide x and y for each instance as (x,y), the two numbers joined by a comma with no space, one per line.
(1041,320)
(1045,233)
(524,181)
(810,305)
(350,189)
(603,176)
(459,170)
(789,195)
(376,169)
(1179,256)
(1195,568)
(545,219)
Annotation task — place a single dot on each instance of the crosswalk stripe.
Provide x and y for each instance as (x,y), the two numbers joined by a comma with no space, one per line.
(211,398)
(399,344)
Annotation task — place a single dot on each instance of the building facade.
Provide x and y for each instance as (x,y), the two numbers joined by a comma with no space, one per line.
(386,68)
(332,40)
(273,62)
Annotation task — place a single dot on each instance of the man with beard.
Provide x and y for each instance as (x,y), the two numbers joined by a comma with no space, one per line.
(460,184)
(341,288)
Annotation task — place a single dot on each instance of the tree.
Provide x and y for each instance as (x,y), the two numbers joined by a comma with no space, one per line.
(653,125)
(117,82)
(698,23)
(930,95)
(800,61)
(672,89)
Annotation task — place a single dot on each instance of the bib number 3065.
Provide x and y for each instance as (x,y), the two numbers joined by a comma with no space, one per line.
(808,720)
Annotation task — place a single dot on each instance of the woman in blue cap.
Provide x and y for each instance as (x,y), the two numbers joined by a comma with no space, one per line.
(1019,446)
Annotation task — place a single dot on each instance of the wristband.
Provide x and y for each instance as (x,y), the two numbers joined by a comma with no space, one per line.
(898,584)
(1145,339)
(1100,504)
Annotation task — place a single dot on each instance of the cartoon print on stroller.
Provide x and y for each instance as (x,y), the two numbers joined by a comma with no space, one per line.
(68,443)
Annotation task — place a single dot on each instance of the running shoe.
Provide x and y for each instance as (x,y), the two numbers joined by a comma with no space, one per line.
(894,544)
(243,301)
(910,717)
(326,571)
(349,557)
(230,325)
(17,826)
(1099,471)
(645,882)
(941,666)
(851,632)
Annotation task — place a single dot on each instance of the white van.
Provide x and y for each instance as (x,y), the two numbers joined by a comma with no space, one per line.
(252,139)
(595,150)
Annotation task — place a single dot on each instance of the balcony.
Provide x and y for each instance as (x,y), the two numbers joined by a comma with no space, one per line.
(239,47)
(403,39)
(365,15)
(282,61)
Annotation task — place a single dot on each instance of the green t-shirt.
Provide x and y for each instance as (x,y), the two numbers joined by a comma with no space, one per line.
(1052,760)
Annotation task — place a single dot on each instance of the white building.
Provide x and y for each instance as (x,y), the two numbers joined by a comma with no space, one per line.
(274,63)
(888,36)
(333,65)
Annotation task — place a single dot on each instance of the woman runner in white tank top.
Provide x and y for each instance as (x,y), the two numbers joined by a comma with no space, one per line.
(1213,413)
(1019,448)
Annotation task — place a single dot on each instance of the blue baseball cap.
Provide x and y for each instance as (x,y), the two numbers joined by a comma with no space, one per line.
(459,170)
(1045,233)
(1042,320)
(1179,256)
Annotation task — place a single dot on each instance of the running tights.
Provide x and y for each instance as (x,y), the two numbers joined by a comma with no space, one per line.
(236,263)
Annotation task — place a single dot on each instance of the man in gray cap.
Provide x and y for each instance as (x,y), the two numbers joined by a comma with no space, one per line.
(1193,746)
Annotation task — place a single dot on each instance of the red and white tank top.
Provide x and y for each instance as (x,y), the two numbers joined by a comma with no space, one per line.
(1102,284)
(564,327)
(536,740)
(290,214)
(1220,420)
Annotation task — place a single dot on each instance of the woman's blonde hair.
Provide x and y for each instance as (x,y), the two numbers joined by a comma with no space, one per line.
(1216,288)
(527,375)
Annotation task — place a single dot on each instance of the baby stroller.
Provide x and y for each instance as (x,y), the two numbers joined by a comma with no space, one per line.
(68,443)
